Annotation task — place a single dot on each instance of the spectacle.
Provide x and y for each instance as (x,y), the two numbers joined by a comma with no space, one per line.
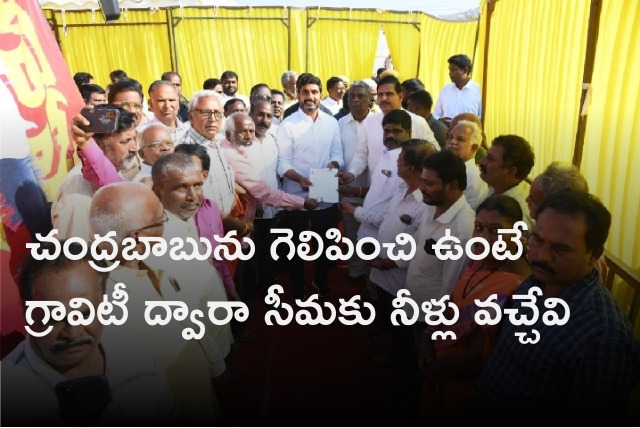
(158,144)
(151,226)
(208,113)
(131,105)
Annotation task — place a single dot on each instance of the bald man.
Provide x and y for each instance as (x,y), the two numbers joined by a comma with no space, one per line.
(132,210)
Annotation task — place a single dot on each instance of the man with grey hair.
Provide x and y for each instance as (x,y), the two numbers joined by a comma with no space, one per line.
(154,141)
(132,210)
(288,80)
(164,102)
(463,141)
(205,115)
(556,177)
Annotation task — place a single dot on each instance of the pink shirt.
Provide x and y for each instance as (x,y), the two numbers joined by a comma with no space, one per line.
(99,171)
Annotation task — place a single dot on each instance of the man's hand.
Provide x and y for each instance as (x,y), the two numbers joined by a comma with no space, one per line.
(333,164)
(348,190)
(80,137)
(345,177)
(304,183)
(347,208)
(377,263)
(310,204)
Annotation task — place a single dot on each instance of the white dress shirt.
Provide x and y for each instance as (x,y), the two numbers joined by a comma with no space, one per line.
(176,133)
(145,172)
(401,203)
(519,193)
(264,157)
(371,143)
(428,277)
(332,105)
(304,144)
(70,208)
(350,130)
(476,187)
(219,186)
(384,185)
(453,101)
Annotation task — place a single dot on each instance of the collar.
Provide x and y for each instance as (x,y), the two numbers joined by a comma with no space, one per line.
(449,214)
(201,139)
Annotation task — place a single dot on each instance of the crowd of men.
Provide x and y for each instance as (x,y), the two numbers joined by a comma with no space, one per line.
(220,161)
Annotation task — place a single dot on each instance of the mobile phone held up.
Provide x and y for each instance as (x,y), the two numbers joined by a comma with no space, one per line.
(101,121)
(81,401)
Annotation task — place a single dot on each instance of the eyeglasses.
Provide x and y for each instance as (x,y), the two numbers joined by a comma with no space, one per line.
(151,226)
(158,144)
(263,97)
(208,113)
(130,104)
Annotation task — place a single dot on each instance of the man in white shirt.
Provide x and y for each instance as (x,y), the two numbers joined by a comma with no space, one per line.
(508,162)
(205,114)
(154,141)
(350,130)
(371,146)
(336,89)
(164,102)
(308,139)
(230,87)
(444,179)
(289,79)
(462,95)
(463,141)
(127,389)
(70,209)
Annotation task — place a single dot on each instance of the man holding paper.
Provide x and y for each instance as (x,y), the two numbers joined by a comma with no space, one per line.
(309,140)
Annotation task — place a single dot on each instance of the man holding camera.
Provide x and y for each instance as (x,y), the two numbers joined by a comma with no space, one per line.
(110,130)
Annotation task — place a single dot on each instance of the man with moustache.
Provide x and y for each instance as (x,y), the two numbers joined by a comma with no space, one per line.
(444,180)
(505,167)
(126,392)
(371,141)
(579,373)
(127,93)
(70,209)
(205,115)
(309,139)
(277,100)
(229,81)
(164,102)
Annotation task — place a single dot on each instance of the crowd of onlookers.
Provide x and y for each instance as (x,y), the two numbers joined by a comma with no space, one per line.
(219,161)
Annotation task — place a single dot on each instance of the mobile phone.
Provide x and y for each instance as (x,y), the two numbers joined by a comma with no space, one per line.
(81,401)
(101,121)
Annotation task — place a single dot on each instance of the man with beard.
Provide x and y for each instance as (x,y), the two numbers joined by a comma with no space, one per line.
(444,179)
(309,139)
(70,209)
(230,87)
(126,392)
(579,373)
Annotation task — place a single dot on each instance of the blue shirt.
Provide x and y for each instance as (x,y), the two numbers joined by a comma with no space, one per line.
(577,374)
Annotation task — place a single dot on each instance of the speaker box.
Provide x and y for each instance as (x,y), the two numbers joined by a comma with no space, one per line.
(110,10)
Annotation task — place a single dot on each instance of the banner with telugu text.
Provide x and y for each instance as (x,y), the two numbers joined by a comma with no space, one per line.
(37,100)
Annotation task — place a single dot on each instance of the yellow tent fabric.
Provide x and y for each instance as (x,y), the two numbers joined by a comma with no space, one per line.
(404,41)
(611,156)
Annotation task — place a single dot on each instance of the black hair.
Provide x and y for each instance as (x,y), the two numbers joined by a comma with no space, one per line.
(124,85)
(505,205)
(231,102)
(229,74)
(449,168)
(423,98)
(412,85)
(90,88)
(258,86)
(308,79)
(33,269)
(211,83)
(82,78)
(415,151)
(461,61)
(391,80)
(399,117)
(517,153)
(195,150)
(277,92)
(167,75)
(333,81)
(118,74)
(585,205)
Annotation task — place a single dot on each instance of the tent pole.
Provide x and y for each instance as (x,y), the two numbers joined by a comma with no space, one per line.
(589,62)
(491,4)
(172,40)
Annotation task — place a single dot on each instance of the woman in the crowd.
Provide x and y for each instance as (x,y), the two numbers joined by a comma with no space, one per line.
(451,367)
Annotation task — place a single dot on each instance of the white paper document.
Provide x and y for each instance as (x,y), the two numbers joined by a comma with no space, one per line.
(324,186)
